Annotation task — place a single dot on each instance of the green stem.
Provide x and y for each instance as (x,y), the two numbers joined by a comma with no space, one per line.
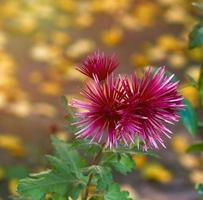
(91,175)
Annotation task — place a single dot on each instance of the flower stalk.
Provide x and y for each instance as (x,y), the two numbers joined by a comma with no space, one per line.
(95,161)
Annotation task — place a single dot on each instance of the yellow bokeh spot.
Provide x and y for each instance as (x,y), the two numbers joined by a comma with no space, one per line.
(196,176)
(155,53)
(50,88)
(139,60)
(146,13)
(67,5)
(191,93)
(60,38)
(189,161)
(109,6)
(20,108)
(44,109)
(84,20)
(156,172)
(80,47)
(12,186)
(169,43)
(139,161)
(112,36)
(177,15)
(12,144)
(179,144)
(177,61)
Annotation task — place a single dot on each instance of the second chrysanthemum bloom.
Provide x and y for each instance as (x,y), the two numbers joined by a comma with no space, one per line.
(98,64)
(150,103)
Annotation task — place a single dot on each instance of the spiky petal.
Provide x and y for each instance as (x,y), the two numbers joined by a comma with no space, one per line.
(98,64)
(100,117)
(149,104)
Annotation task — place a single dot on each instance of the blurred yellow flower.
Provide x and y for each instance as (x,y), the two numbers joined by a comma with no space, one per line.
(179,144)
(129,22)
(177,60)
(177,14)
(146,13)
(72,74)
(9,9)
(66,5)
(196,176)
(20,108)
(12,186)
(45,53)
(139,160)
(50,88)
(60,38)
(109,6)
(25,23)
(84,20)
(139,60)
(12,144)
(80,47)
(189,161)
(44,109)
(169,43)
(112,36)
(156,172)
(155,53)
(191,93)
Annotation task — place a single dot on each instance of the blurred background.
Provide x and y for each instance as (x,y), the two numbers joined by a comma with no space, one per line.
(41,42)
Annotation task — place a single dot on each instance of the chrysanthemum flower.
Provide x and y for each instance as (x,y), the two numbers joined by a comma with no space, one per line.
(99,119)
(98,64)
(149,104)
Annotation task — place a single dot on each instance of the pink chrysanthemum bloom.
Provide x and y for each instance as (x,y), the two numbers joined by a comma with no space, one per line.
(99,119)
(149,104)
(98,64)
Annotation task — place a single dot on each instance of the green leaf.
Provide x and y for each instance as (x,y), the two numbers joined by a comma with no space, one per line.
(125,164)
(59,184)
(196,36)
(85,146)
(69,155)
(121,162)
(114,193)
(63,180)
(198,147)
(200,189)
(198,5)
(189,118)
(201,86)
(102,176)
